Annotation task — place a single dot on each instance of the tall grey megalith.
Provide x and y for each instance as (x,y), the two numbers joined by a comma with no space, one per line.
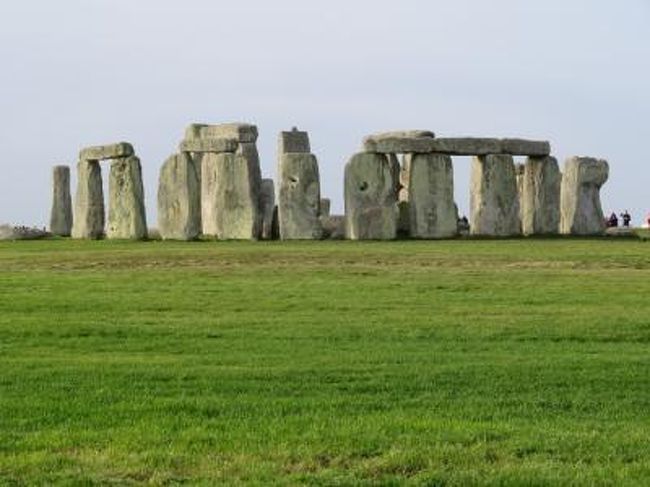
(432,211)
(267,207)
(179,199)
(299,197)
(494,200)
(89,215)
(540,196)
(581,210)
(370,198)
(126,211)
(61,214)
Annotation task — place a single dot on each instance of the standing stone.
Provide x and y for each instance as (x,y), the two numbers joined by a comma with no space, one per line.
(325,207)
(370,198)
(230,197)
(89,201)
(61,215)
(540,196)
(126,212)
(494,201)
(404,177)
(267,206)
(179,200)
(293,141)
(519,171)
(581,212)
(432,211)
(299,197)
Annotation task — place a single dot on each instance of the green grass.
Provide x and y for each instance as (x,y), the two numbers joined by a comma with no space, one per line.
(421,363)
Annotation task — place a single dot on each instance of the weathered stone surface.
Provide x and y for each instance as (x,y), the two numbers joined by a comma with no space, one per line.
(465,146)
(581,211)
(370,198)
(432,211)
(299,197)
(209,145)
(333,227)
(267,207)
(242,132)
(519,172)
(230,195)
(293,141)
(398,137)
(89,201)
(325,206)
(61,214)
(126,212)
(103,152)
(494,201)
(540,196)
(179,199)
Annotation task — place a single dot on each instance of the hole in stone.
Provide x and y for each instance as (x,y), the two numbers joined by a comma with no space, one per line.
(293,179)
(363,186)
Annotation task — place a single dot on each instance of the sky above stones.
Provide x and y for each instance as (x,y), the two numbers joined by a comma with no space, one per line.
(84,72)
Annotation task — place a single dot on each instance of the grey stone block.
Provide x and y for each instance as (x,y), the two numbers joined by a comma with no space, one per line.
(126,211)
(540,196)
(89,201)
(494,200)
(242,132)
(293,141)
(209,145)
(298,197)
(325,206)
(61,214)
(581,210)
(267,207)
(179,199)
(432,211)
(370,198)
(460,146)
(104,152)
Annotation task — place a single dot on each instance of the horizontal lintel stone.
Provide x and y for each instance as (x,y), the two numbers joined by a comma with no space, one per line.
(242,132)
(209,145)
(103,152)
(459,146)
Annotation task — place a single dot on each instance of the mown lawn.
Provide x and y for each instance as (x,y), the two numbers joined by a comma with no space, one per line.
(420,363)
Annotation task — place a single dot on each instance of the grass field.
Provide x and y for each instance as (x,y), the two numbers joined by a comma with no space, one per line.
(420,363)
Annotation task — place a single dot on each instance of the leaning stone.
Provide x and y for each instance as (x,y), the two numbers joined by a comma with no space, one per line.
(494,202)
(242,132)
(103,152)
(581,211)
(540,196)
(370,198)
(61,215)
(432,211)
(89,201)
(299,197)
(230,197)
(333,227)
(325,206)
(267,206)
(179,199)
(126,212)
(209,145)
(293,141)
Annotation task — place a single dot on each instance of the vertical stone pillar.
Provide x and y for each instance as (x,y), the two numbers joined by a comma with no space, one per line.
(432,211)
(179,200)
(61,214)
(581,212)
(540,196)
(267,207)
(519,171)
(89,201)
(325,207)
(299,197)
(230,197)
(494,200)
(126,211)
(370,198)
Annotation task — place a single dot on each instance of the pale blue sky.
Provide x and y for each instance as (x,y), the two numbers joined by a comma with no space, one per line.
(83,72)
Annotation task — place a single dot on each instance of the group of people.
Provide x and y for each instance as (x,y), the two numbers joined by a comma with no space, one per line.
(612,221)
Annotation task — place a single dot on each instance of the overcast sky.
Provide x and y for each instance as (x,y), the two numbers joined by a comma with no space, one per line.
(83,72)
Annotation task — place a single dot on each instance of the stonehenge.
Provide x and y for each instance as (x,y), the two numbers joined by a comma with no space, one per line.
(61,214)
(581,212)
(298,188)
(126,211)
(399,185)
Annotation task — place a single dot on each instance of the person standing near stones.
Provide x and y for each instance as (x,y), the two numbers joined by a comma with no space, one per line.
(625,216)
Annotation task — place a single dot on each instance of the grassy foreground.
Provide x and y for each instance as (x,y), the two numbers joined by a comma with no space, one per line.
(420,363)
